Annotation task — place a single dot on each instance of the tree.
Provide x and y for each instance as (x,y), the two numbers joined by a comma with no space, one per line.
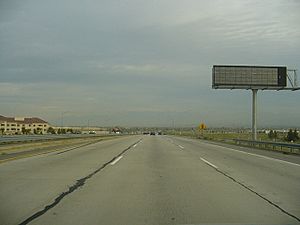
(35,131)
(39,130)
(291,136)
(51,130)
(23,130)
(272,134)
(59,131)
(70,130)
(2,130)
(296,135)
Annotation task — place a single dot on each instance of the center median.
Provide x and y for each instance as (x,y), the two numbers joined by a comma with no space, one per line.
(24,150)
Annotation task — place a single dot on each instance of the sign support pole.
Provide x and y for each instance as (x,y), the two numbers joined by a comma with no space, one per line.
(253,78)
(254,114)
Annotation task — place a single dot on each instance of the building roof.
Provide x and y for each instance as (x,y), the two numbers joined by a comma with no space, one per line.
(25,120)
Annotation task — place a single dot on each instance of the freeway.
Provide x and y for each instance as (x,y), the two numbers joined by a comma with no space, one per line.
(151,180)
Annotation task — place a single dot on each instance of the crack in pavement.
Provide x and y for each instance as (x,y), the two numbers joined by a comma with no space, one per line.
(80,146)
(73,188)
(254,192)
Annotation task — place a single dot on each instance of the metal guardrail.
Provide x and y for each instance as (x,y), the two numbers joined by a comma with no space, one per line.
(284,147)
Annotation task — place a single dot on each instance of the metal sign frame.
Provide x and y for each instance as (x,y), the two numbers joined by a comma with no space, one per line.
(250,77)
(233,82)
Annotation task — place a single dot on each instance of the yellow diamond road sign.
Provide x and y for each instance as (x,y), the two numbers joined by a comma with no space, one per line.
(202,126)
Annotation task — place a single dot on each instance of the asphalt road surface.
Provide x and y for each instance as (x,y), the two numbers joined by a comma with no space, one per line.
(151,180)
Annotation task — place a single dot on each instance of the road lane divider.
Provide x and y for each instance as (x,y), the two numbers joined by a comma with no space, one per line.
(209,163)
(178,145)
(116,160)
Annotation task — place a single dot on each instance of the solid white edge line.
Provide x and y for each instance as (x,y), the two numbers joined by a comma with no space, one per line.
(261,156)
(204,160)
(116,160)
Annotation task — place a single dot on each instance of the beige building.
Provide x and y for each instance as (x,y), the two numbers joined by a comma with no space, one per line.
(22,125)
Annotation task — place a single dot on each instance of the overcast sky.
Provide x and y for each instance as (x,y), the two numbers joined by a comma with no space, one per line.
(144,62)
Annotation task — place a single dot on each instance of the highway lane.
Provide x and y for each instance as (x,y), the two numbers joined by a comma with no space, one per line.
(271,174)
(26,185)
(158,180)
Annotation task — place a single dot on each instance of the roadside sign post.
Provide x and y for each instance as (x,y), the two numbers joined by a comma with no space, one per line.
(202,127)
(253,78)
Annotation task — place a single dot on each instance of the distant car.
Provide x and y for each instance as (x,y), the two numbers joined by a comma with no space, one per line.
(152,133)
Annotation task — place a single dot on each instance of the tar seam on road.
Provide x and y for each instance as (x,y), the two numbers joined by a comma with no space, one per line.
(256,193)
(46,152)
(80,146)
(73,188)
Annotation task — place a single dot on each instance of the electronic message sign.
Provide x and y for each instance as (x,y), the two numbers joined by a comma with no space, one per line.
(249,77)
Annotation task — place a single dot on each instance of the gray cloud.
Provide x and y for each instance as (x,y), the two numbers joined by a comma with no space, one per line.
(135,62)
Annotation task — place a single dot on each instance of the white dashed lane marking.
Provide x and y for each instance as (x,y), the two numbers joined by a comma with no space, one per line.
(116,160)
(209,163)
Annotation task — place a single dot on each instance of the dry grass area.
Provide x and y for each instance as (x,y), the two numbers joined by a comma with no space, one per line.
(244,136)
(227,137)
(219,136)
